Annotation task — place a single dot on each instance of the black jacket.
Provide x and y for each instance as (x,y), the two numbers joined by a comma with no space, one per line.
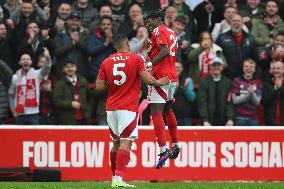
(235,55)
(270,99)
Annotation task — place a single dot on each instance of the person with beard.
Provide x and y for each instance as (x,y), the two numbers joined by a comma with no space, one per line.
(237,46)
(57,19)
(225,25)
(70,97)
(99,46)
(35,43)
(132,22)
(267,26)
(70,45)
(273,97)
(87,12)
(119,12)
(246,93)
(24,91)
(271,55)
(29,12)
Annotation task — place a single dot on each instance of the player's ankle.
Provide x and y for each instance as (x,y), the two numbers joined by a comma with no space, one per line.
(175,144)
(163,149)
(116,178)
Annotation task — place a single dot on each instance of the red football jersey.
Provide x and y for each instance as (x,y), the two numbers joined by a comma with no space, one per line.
(163,35)
(121,71)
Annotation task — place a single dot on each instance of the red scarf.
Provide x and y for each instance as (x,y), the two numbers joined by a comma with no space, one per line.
(205,68)
(239,37)
(79,113)
(30,92)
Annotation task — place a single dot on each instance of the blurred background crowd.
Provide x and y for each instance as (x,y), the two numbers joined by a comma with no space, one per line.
(229,60)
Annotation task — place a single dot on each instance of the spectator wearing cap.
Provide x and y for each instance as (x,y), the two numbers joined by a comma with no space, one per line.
(28,12)
(70,45)
(267,26)
(24,91)
(201,55)
(246,93)
(225,25)
(35,43)
(132,22)
(70,97)
(87,12)
(213,101)
(273,97)
(237,46)
(99,46)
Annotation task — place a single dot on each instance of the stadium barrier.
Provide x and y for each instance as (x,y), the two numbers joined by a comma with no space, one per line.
(208,153)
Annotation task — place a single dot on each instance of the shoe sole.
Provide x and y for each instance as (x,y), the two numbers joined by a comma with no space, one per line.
(162,162)
(174,157)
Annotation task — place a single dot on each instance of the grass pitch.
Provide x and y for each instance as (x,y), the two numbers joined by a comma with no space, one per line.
(104,185)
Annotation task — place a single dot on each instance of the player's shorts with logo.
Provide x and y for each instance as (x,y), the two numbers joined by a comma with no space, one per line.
(123,124)
(161,94)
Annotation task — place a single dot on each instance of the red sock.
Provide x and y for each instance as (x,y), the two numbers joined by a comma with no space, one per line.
(159,127)
(113,162)
(122,160)
(172,125)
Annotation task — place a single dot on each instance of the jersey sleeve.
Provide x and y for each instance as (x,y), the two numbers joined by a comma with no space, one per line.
(141,63)
(102,73)
(161,37)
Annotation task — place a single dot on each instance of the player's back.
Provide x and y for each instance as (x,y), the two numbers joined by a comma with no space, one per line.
(163,35)
(122,73)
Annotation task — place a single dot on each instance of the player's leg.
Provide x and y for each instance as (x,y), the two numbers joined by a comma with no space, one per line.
(127,128)
(171,121)
(172,126)
(113,154)
(157,99)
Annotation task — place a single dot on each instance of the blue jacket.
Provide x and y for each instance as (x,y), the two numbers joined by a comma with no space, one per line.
(98,52)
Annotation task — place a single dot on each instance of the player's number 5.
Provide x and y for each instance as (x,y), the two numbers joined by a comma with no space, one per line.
(116,72)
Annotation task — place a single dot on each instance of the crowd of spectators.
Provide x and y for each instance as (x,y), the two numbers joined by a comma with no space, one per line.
(229,60)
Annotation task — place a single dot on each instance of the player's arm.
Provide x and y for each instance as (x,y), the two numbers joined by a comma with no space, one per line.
(101,85)
(163,53)
(150,80)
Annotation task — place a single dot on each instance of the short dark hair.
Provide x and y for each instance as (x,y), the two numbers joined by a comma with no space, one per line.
(160,13)
(181,19)
(118,39)
(231,7)
(105,18)
(272,1)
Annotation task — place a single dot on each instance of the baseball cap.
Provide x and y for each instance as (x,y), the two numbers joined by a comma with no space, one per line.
(217,60)
(74,15)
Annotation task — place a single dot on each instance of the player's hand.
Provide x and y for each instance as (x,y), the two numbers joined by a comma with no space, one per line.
(76,105)
(163,81)
(206,123)
(149,66)
(230,123)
